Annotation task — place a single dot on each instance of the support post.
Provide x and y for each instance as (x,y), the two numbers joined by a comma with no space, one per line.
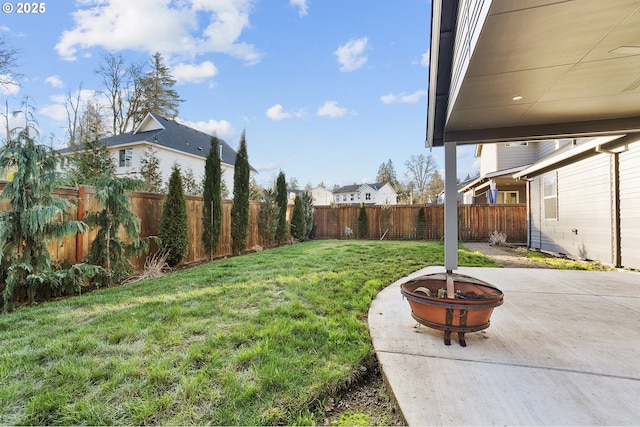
(450,207)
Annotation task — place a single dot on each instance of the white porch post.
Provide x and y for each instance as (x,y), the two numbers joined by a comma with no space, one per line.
(450,207)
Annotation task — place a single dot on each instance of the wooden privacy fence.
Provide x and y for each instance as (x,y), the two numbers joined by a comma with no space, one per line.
(475,223)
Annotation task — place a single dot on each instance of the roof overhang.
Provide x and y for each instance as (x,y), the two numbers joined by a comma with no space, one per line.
(571,154)
(504,70)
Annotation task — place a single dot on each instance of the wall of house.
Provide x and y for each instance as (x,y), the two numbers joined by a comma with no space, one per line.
(321,197)
(583,228)
(630,206)
(166,159)
(488,159)
(386,196)
(513,155)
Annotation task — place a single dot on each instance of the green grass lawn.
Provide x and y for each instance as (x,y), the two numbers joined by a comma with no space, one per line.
(251,340)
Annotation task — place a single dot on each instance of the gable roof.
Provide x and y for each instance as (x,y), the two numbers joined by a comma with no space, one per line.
(356,187)
(161,131)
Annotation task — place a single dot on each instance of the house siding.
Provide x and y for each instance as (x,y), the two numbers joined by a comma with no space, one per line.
(510,157)
(166,160)
(584,225)
(630,206)
(488,159)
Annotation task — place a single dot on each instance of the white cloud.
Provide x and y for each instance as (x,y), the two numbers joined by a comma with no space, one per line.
(220,128)
(403,98)
(351,55)
(301,5)
(8,85)
(425,58)
(331,109)
(173,28)
(54,81)
(194,73)
(277,113)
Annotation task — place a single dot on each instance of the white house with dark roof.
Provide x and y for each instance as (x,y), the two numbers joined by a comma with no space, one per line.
(174,143)
(380,193)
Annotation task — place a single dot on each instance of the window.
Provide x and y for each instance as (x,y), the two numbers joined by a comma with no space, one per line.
(508,197)
(550,196)
(516,144)
(125,157)
(367,196)
(352,197)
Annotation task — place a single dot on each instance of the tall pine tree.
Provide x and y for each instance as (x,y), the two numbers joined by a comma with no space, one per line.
(281,202)
(158,94)
(174,224)
(240,209)
(212,194)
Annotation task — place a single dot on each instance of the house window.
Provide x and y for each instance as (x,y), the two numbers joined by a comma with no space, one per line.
(344,198)
(516,144)
(125,157)
(508,197)
(550,195)
(367,196)
(352,197)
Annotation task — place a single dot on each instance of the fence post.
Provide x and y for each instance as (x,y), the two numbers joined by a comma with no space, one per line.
(80,217)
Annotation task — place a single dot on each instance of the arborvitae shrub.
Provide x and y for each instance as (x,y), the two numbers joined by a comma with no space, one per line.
(174,224)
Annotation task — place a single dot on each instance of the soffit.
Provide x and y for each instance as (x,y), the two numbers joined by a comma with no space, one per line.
(561,58)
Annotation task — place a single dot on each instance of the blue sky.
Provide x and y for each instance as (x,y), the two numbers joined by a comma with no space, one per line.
(326,90)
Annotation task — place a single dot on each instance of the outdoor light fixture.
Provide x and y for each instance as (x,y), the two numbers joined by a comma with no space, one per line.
(516,98)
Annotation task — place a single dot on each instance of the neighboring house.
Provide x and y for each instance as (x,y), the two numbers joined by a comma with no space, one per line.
(321,196)
(291,195)
(370,194)
(584,200)
(174,143)
(498,163)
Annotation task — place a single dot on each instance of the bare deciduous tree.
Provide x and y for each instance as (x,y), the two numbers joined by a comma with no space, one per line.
(419,170)
(122,89)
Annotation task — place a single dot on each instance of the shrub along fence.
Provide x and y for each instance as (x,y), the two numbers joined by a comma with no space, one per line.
(475,223)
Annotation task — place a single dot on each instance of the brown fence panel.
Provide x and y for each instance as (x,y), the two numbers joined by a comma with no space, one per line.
(475,223)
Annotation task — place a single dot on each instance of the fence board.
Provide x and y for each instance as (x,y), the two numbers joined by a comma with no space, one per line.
(475,223)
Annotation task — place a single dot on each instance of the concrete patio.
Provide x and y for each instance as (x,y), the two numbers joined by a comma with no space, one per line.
(563,349)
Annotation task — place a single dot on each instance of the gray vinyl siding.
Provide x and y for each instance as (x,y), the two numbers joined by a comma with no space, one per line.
(511,157)
(630,206)
(584,205)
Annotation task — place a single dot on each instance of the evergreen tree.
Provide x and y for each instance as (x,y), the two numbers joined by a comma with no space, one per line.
(191,186)
(307,207)
(36,216)
(268,217)
(108,250)
(174,224)
(158,95)
(90,162)
(212,194)
(435,187)
(363,222)
(298,222)
(281,202)
(240,209)
(150,171)
(387,173)
(422,224)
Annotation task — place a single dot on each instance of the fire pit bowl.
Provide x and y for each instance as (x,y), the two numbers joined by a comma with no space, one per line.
(469,311)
